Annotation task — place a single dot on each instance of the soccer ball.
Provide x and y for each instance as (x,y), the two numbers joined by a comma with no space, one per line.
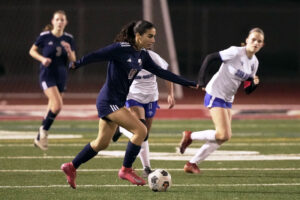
(159,180)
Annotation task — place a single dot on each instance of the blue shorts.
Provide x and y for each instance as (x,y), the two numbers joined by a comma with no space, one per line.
(105,108)
(211,101)
(150,108)
(50,78)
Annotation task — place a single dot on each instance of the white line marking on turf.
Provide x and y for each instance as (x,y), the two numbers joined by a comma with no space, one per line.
(30,135)
(168,169)
(216,156)
(174,185)
(160,144)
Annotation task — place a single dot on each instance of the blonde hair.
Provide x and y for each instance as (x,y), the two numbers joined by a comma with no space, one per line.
(49,27)
(254,30)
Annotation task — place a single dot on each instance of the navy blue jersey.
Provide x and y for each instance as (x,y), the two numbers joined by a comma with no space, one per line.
(51,47)
(124,64)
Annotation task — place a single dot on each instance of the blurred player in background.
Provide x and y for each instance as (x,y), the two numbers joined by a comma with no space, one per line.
(126,58)
(239,64)
(56,48)
(142,101)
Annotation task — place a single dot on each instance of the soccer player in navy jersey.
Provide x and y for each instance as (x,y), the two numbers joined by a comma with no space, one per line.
(125,59)
(57,48)
(239,64)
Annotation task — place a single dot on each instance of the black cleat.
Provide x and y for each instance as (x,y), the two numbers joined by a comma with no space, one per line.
(147,170)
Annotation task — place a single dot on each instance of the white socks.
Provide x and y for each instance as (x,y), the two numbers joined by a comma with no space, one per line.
(204,151)
(207,135)
(144,152)
(210,146)
(125,132)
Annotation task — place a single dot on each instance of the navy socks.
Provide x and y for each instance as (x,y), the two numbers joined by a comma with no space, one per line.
(86,154)
(48,120)
(131,152)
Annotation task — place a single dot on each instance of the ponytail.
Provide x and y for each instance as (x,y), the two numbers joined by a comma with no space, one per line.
(126,34)
(48,27)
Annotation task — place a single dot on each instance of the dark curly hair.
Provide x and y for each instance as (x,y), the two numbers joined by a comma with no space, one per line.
(128,32)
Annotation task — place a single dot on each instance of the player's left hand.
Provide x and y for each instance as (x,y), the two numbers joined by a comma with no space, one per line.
(171,101)
(72,65)
(66,46)
(256,80)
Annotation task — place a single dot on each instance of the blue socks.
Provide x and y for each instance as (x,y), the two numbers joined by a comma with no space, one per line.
(131,152)
(48,120)
(86,154)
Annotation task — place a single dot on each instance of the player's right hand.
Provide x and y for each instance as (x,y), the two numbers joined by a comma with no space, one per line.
(46,62)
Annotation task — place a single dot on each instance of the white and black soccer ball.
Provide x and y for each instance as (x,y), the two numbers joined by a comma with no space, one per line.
(159,180)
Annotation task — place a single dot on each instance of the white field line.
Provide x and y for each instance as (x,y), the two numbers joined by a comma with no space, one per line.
(168,169)
(220,155)
(162,106)
(31,135)
(159,144)
(173,185)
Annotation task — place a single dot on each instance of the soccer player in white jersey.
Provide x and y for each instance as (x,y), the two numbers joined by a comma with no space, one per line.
(239,64)
(142,101)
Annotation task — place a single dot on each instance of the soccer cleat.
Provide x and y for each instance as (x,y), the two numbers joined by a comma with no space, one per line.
(191,168)
(185,141)
(129,174)
(147,170)
(41,139)
(70,172)
(117,135)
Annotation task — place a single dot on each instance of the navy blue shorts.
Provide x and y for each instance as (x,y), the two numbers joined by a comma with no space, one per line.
(49,79)
(105,108)
(211,101)
(150,108)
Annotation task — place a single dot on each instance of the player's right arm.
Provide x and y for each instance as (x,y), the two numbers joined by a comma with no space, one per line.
(33,52)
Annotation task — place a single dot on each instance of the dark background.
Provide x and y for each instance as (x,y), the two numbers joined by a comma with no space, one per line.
(199,27)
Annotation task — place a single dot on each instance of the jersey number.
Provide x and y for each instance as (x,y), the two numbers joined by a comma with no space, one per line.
(58,51)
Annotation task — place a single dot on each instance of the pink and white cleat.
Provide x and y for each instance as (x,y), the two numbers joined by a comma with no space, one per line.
(129,174)
(70,172)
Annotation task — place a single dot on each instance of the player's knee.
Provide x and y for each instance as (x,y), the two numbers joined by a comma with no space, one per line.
(143,132)
(223,136)
(98,145)
(56,108)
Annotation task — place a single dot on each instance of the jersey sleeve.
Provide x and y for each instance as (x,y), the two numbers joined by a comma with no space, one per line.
(152,67)
(229,53)
(158,60)
(104,54)
(39,41)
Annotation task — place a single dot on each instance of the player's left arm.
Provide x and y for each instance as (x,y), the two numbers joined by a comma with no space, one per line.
(152,67)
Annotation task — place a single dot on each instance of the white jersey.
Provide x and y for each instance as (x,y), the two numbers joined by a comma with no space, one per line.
(236,67)
(144,87)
